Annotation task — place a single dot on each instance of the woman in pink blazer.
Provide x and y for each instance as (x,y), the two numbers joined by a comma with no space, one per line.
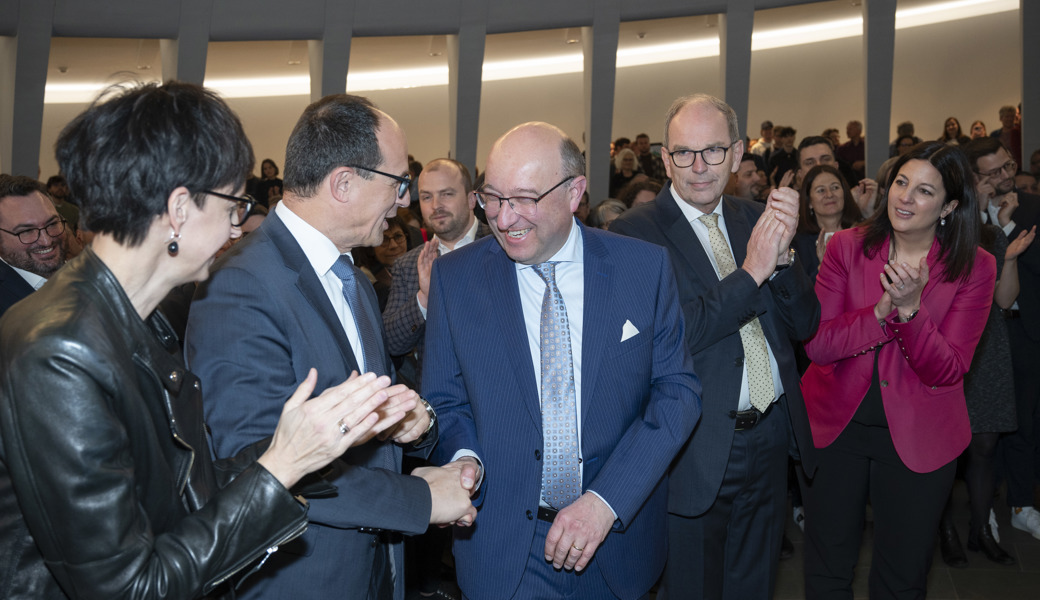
(904,300)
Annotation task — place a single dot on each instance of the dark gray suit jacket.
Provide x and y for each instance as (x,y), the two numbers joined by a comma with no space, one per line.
(254,330)
(12,287)
(714,311)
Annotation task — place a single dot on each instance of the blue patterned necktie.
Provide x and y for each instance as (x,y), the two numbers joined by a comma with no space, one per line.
(561,478)
(348,273)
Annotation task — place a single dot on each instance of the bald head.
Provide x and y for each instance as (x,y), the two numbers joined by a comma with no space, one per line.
(533,161)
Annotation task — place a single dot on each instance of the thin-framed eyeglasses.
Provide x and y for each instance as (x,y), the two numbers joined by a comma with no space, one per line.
(30,235)
(683,158)
(403,182)
(1008,168)
(521,205)
(242,211)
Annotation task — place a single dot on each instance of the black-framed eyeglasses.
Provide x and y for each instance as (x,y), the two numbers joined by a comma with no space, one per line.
(521,205)
(711,156)
(1008,168)
(403,182)
(30,235)
(242,211)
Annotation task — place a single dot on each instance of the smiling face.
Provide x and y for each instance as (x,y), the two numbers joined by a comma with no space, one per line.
(18,213)
(698,126)
(446,207)
(917,199)
(747,179)
(953,128)
(826,196)
(374,200)
(526,162)
(395,244)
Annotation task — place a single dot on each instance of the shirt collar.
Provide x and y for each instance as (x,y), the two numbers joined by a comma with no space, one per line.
(572,250)
(319,250)
(692,214)
(36,281)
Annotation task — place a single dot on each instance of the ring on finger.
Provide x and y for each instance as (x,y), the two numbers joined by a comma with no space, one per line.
(582,549)
(901,286)
(343,427)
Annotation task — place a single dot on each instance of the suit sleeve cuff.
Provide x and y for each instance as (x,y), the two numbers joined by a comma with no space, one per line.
(612,511)
(421,308)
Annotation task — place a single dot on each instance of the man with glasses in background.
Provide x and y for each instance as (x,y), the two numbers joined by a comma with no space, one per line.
(1016,212)
(743,303)
(554,357)
(288,298)
(32,238)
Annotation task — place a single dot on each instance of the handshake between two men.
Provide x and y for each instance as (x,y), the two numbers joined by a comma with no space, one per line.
(352,413)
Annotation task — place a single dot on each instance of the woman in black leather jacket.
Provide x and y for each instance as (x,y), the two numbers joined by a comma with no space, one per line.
(107,485)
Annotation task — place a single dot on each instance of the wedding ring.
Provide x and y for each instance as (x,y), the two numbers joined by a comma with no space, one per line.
(900,286)
(343,428)
(582,549)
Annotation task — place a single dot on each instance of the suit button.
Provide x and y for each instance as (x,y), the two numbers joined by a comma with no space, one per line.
(739,362)
(884,383)
(175,376)
(530,516)
(538,455)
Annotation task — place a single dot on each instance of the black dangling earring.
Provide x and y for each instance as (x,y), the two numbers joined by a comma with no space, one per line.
(172,248)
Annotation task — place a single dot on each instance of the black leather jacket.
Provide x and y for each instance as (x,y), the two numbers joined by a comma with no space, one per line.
(107,485)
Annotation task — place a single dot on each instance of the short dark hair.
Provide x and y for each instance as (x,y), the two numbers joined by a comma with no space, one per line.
(983,146)
(766,125)
(336,131)
(643,135)
(622,141)
(135,144)
(959,238)
(467,179)
(850,212)
(783,131)
(56,180)
(19,185)
(812,140)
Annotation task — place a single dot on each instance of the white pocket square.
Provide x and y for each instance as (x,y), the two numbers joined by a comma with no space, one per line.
(628,331)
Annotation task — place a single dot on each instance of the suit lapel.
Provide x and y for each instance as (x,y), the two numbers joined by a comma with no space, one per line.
(738,228)
(512,334)
(309,286)
(598,299)
(680,233)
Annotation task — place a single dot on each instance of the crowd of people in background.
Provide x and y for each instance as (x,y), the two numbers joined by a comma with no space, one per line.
(824,334)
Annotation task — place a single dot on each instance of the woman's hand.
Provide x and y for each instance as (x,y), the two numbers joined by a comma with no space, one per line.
(311,433)
(904,284)
(1020,244)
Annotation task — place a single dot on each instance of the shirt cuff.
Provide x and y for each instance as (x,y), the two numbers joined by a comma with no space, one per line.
(480,476)
(1009,228)
(421,309)
(612,511)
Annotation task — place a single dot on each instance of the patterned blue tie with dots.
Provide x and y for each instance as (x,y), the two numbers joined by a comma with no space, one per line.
(561,477)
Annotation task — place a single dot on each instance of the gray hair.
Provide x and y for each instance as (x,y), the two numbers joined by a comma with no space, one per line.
(718,104)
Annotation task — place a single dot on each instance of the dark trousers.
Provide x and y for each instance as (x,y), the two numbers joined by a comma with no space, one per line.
(1019,448)
(732,550)
(862,463)
(542,582)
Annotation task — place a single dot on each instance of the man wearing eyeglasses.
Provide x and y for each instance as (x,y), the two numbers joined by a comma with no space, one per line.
(554,356)
(32,238)
(743,303)
(1016,212)
(288,298)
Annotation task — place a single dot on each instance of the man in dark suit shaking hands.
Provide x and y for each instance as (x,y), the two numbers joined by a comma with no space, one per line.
(554,356)
(743,305)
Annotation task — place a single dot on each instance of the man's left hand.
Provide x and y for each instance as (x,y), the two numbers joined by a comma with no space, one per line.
(415,420)
(577,532)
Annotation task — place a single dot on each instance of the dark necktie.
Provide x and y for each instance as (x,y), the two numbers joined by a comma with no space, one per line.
(349,274)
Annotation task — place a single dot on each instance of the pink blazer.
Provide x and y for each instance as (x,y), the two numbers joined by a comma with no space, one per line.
(921,364)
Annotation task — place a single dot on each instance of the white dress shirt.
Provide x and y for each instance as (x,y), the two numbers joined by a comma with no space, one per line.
(322,254)
(701,230)
(31,278)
